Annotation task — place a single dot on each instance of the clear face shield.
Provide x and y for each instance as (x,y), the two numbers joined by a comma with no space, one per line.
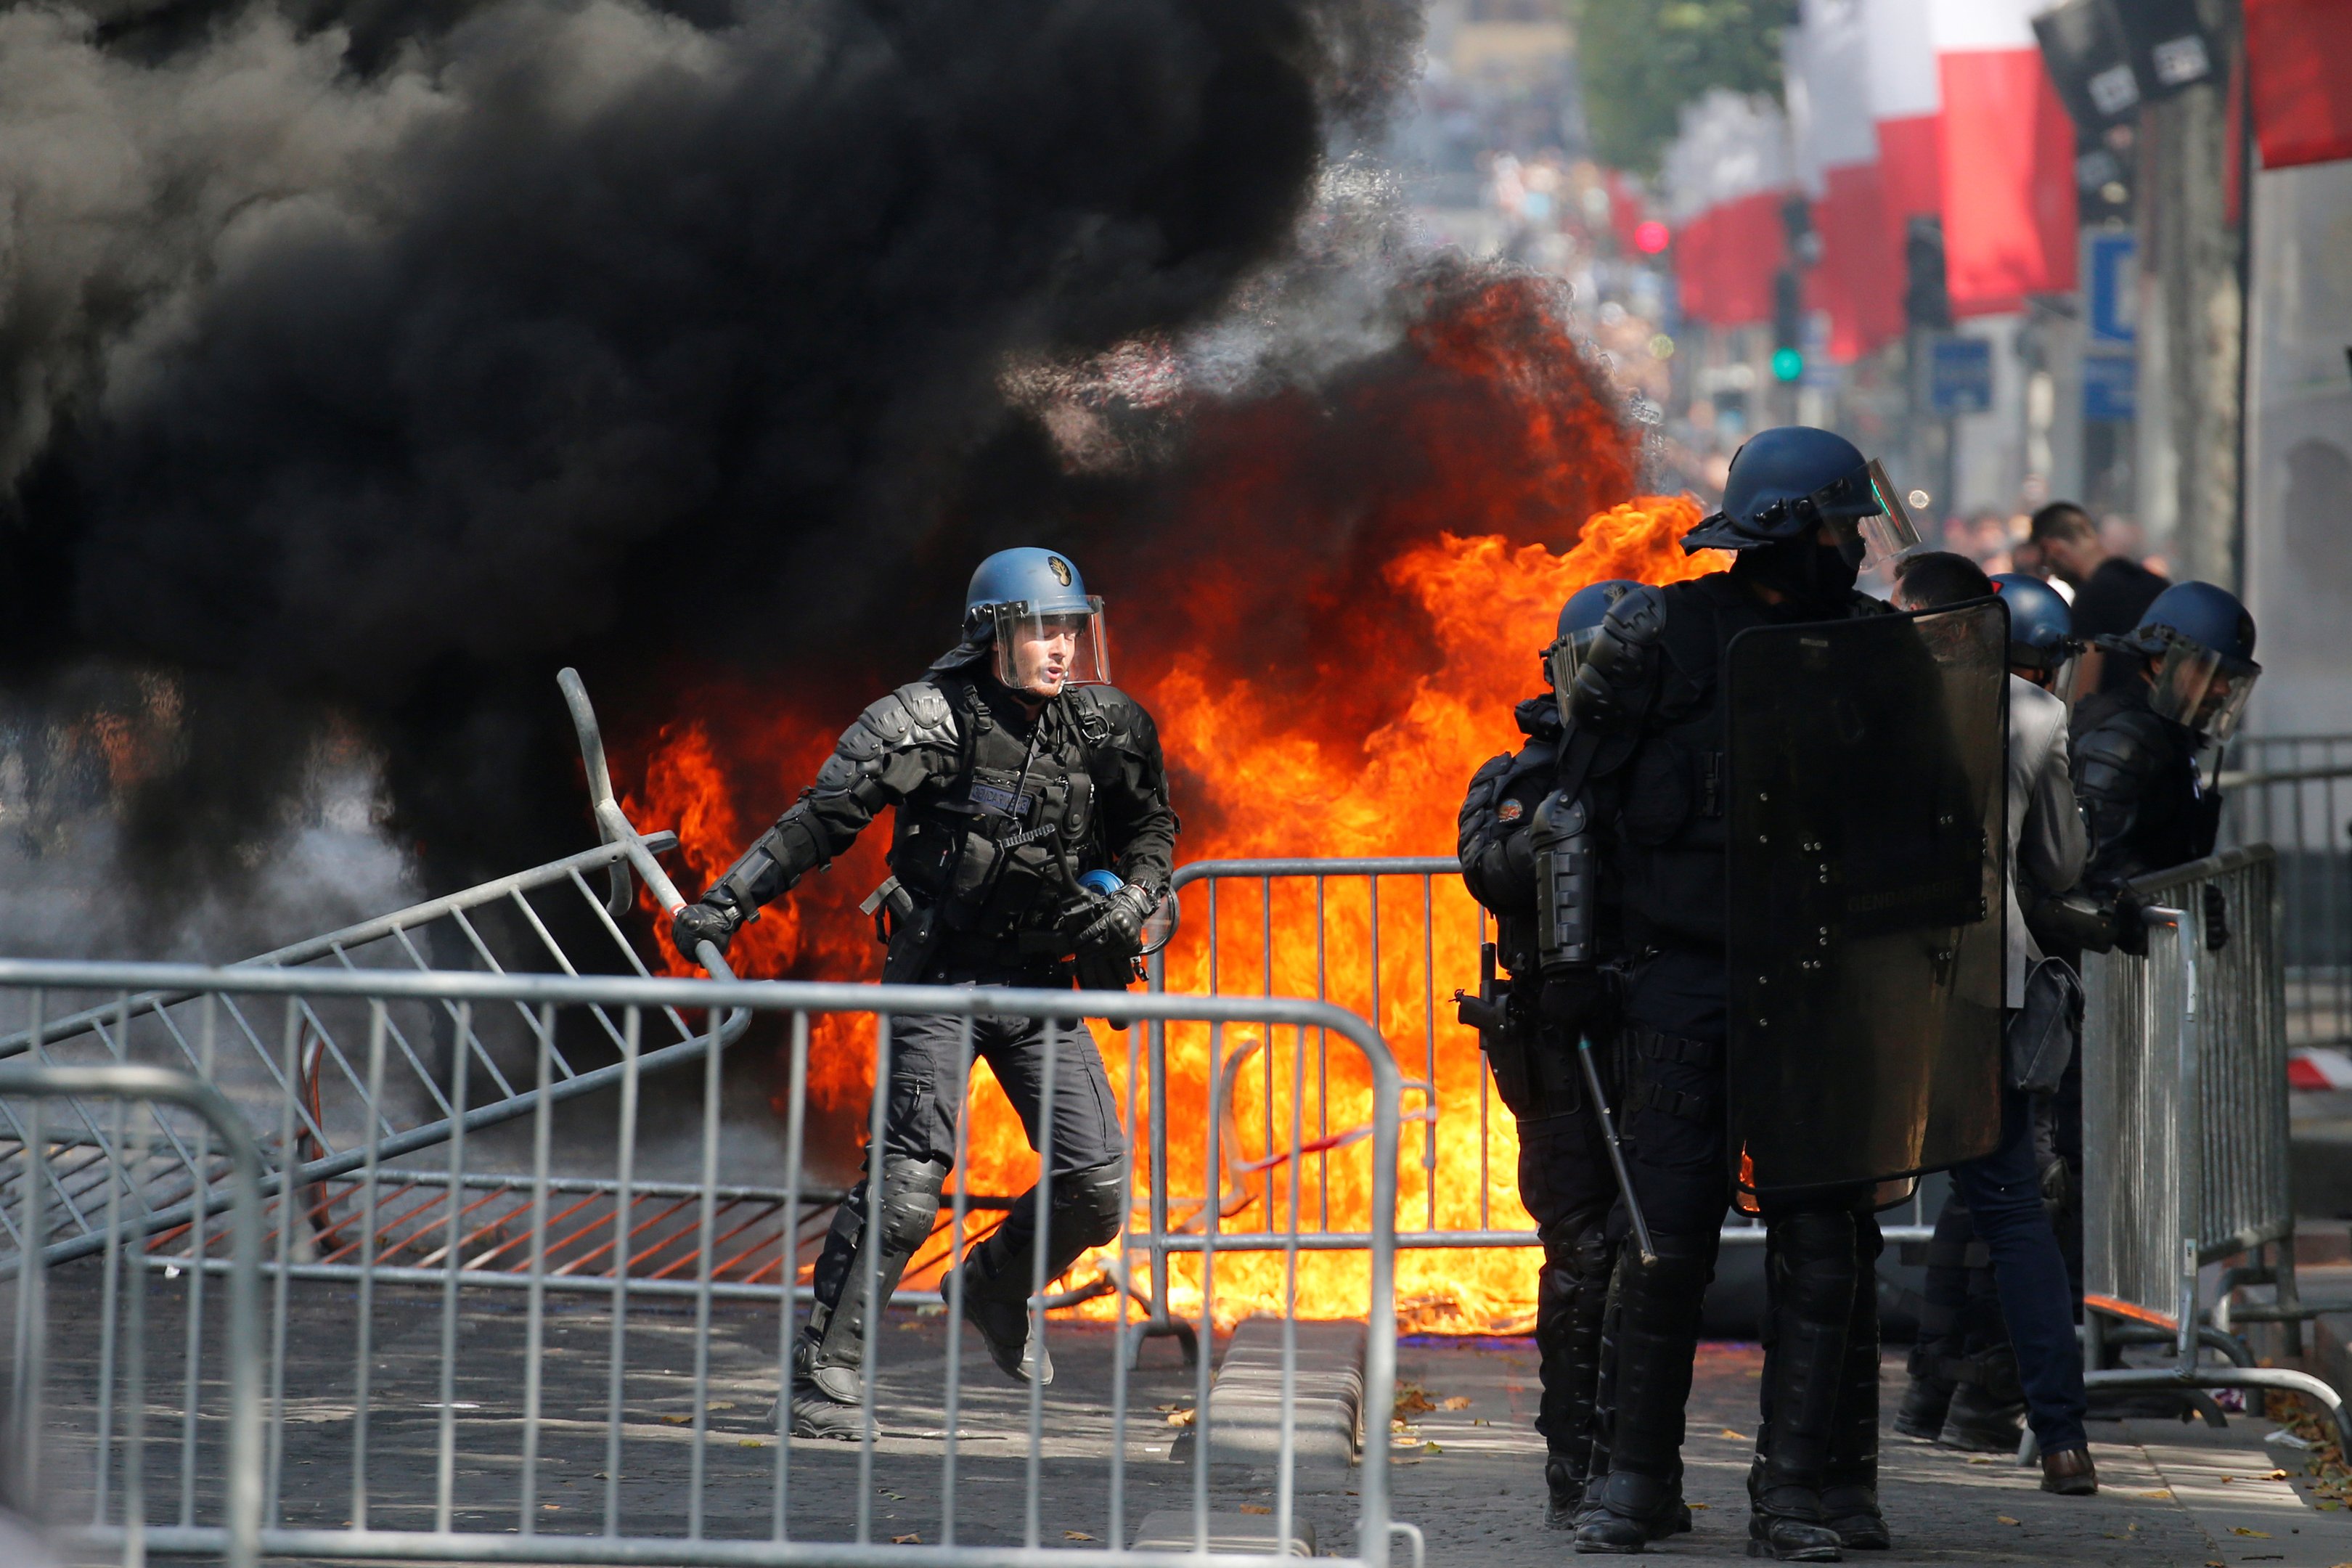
(1041,653)
(1889,537)
(1562,661)
(2196,690)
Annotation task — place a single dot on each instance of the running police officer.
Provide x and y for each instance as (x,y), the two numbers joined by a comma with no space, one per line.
(1515,827)
(2149,804)
(1662,693)
(1015,770)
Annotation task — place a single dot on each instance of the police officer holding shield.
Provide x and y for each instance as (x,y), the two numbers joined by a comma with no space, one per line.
(1655,701)
(1019,776)
(1518,834)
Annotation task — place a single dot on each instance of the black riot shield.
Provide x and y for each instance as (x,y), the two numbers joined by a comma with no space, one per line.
(1866,936)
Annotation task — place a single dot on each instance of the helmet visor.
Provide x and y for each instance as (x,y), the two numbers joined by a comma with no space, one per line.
(2196,690)
(1040,652)
(1891,535)
(1563,659)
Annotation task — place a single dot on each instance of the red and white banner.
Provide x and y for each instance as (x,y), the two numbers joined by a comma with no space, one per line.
(2300,54)
(1906,101)
(1858,274)
(2008,159)
(1725,177)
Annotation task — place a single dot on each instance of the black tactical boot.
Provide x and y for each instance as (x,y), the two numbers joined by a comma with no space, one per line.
(816,1414)
(1571,1299)
(1655,1333)
(1850,1483)
(1811,1269)
(1988,1410)
(1924,1404)
(1003,1321)
(1625,1513)
(1564,1486)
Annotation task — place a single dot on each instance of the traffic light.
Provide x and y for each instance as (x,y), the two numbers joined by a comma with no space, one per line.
(1788,325)
(1927,302)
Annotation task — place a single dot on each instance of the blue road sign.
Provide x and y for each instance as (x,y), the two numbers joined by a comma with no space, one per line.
(1960,375)
(2107,381)
(2111,290)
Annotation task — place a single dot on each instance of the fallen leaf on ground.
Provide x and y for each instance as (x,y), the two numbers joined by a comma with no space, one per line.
(2161,1494)
(1411,1399)
(2257,1534)
(1431,1448)
(1699,1507)
(894,1497)
(2004,1518)
(1733,1436)
(679,1420)
(1179,1418)
(1255,1508)
(2275,1475)
(750,1443)
(1981,1460)
(910,1539)
(1459,1402)
(1075,1535)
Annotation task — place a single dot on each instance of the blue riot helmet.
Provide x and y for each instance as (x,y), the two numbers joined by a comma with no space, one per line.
(2040,630)
(1580,622)
(2198,642)
(1030,608)
(1785,483)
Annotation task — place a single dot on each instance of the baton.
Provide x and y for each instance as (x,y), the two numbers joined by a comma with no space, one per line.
(1616,1156)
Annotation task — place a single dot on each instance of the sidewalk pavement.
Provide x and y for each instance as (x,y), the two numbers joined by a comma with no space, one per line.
(2170,1494)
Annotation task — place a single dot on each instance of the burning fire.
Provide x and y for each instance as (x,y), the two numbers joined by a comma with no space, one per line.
(1321,690)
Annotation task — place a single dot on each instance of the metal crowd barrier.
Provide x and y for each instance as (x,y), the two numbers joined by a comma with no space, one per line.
(1392,938)
(546,919)
(2295,793)
(84,1371)
(434,1411)
(2185,1129)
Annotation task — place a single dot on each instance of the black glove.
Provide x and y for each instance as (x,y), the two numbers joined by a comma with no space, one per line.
(2131,931)
(1575,1001)
(706,922)
(1113,926)
(2217,919)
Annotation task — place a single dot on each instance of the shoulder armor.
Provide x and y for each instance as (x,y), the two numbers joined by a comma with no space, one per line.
(2123,753)
(1476,824)
(1612,685)
(916,714)
(1105,714)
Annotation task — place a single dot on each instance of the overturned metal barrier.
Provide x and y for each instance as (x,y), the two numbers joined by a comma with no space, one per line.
(2185,1127)
(433,1411)
(548,918)
(80,1423)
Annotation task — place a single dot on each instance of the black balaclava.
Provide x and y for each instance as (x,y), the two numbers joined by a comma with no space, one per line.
(1808,575)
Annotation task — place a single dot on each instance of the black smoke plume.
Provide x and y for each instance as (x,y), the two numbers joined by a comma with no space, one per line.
(377,358)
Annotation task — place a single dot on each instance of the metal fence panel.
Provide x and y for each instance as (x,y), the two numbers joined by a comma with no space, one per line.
(2184,1084)
(80,1424)
(426,1410)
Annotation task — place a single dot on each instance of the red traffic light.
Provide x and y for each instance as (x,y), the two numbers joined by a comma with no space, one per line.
(1650,237)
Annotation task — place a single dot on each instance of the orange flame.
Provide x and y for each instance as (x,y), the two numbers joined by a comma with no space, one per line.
(1324,695)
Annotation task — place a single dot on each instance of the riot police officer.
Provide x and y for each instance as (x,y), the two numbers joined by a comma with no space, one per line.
(1015,769)
(2135,746)
(1795,506)
(1509,833)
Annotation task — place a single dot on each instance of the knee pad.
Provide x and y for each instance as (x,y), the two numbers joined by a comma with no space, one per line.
(1813,1253)
(1090,1205)
(910,1201)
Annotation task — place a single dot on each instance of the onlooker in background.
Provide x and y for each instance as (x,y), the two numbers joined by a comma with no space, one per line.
(2111,590)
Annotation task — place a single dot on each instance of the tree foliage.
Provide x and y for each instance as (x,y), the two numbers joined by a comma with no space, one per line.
(1641,60)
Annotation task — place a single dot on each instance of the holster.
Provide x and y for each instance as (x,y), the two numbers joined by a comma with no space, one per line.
(913,941)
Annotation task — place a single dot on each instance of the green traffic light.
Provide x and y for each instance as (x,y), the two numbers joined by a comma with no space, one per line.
(1788,365)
